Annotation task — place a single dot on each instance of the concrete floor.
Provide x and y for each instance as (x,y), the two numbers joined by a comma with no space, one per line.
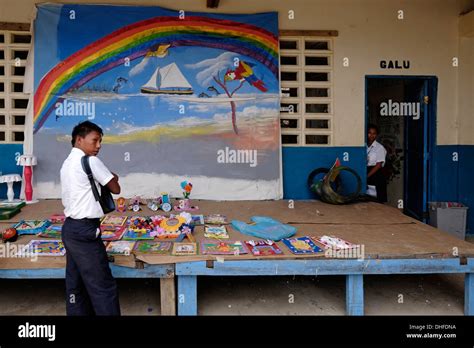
(324,295)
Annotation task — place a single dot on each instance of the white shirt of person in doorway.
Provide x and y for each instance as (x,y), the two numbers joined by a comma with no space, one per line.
(76,192)
(376,153)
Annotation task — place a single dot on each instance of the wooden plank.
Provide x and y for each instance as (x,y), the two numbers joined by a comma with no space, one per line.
(187,295)
(355,294)
(324,267)
(469,294)
(14,26)
(309,33)
(168,296)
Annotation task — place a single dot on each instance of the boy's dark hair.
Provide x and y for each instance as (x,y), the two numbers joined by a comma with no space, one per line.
(84,128)
(373,126)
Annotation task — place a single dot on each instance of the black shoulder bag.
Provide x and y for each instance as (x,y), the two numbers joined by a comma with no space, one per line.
(105,199)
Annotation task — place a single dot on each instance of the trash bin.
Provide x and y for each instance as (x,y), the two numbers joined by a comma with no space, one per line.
(449,217)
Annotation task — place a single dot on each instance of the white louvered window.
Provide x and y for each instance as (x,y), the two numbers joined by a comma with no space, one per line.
(306,110)
(14,48)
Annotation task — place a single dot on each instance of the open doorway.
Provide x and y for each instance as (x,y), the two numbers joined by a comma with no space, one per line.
(403,109)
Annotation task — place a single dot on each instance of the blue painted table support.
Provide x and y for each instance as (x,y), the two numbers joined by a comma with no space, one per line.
(187,295)
(353,269)
(469,294)
(164,272)
(355,294)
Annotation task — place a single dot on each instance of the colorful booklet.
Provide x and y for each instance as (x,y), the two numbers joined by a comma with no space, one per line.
(216,232)
(53,231)
(112,233)
(120,247)
(333,242)
(184,249)
(133,235)
(43,248)
(227,247)
(301,245)
(153,247)
(112,221)
(31,226)
(263,247)
(215,219)
(197,219)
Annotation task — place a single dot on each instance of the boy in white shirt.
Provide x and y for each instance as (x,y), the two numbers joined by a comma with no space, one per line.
(90,286)
(376,155)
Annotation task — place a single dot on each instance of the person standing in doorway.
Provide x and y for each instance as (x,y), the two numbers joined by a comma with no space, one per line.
(90,286)
(376,154)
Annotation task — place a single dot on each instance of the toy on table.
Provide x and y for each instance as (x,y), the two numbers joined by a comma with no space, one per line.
(154,204)
(215,219)
(185,204)
(197,219)
(121,205)
(301,245)
(28,161)
(152,247)
(173,226)
(333,242)
(9,179)
(184,249)
(120,247)
(9,235)
(216,232)
(165,202)
(113,221)
(263,247)
(213,247)
(134,204)
(53,231)
(112,234)
(43,248)
(31,226)
(57,218)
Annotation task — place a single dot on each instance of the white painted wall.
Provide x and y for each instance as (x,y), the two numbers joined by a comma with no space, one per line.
(369,31)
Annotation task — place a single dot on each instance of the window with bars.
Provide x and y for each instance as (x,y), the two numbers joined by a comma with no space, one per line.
(14,48)
(306,109)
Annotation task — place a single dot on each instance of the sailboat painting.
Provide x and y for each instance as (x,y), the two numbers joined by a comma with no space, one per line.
(167,80)
(194,97)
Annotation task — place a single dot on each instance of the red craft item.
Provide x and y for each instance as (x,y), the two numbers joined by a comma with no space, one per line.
(9,235)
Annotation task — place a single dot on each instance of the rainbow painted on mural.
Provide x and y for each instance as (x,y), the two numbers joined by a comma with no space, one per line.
(136,40)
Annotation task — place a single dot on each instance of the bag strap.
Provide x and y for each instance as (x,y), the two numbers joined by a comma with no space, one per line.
(87,169)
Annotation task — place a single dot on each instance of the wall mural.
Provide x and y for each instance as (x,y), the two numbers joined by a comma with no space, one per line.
(179,95)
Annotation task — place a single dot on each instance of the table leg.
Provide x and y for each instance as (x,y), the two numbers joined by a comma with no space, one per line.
(354,294)
(469,294)
(168,296)
(187,295)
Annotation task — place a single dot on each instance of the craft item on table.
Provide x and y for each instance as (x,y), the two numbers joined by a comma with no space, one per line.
(154,204)
(174,225)
(9,179)
(265,228)
(134,204)
(120,247)
(301,245)
(9,235)
(134,235)
(53,231)
(28,161)
(153,247)
(43,248)
(185,204)
(57,218)
(215,219)
(333,242)
(121,205)
(263,247)
(213,247)
(216,232)
(31,226)
(113,221)
(10,205)
(111,234)
(197,219)
(7,213)
(141,224)
(184,249)
(165,202)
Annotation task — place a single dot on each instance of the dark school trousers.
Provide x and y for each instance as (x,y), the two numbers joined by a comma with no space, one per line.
(380,183)
(90,287)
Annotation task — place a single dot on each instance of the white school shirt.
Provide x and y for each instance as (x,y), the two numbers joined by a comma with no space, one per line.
(76,192)
(376,153)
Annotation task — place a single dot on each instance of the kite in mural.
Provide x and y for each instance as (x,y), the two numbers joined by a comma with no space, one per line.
(171,92)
